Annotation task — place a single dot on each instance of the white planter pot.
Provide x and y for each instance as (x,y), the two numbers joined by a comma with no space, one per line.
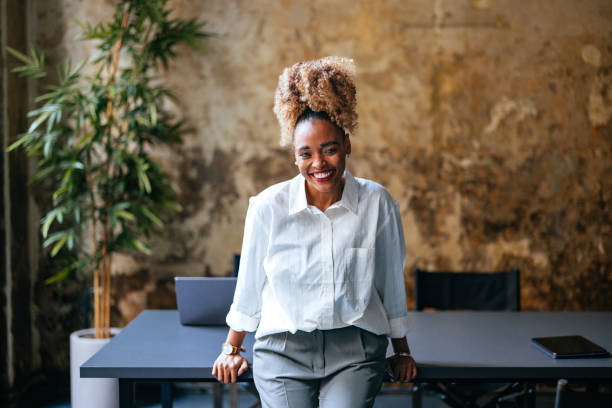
(90,392)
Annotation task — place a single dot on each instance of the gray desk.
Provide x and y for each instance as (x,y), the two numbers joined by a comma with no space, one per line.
(460,346)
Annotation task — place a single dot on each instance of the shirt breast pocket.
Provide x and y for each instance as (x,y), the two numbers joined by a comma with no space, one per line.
(358,277)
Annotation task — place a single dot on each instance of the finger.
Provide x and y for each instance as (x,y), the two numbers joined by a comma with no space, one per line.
(414,370)
(243,366)
(214,370)
(218,372)
(404,373)
(233,374)
(226,375)
(407,372)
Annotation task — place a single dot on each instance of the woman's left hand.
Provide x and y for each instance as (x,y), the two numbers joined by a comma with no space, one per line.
(402,368)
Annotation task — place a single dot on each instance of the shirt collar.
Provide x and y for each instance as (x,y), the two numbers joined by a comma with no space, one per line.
(297,194)
(350,194)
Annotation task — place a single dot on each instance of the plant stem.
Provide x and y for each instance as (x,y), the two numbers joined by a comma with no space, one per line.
(109,106)
(96,276)
(104,319)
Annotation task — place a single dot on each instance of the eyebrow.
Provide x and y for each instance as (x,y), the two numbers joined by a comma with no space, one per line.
(322,145)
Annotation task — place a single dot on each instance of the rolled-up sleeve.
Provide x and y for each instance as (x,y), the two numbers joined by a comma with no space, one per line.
(244,314)
(390,254)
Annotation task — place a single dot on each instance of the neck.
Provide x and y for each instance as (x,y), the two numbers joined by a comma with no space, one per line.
(323,200)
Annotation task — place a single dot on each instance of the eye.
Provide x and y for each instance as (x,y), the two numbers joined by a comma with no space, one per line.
(331,150)
(304,155)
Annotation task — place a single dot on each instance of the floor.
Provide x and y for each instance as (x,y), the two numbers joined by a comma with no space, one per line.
(199,395)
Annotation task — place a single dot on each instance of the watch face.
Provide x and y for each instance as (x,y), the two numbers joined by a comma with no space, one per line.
(227,348)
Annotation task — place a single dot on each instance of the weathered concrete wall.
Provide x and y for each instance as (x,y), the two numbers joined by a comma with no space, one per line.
(488,120)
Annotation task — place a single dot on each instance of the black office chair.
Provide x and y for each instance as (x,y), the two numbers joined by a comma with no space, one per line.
(568,398)
(469,291)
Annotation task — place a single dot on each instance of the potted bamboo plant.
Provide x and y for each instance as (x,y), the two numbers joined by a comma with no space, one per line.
(92,135)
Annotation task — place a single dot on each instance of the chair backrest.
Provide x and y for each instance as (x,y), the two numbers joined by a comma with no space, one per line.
(467,290)
(236,263)
(567,398)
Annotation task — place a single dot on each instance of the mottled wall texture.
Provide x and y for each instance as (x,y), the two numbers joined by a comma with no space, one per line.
(488,120)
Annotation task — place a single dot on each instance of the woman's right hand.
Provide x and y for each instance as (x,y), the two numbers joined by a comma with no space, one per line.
(228,367)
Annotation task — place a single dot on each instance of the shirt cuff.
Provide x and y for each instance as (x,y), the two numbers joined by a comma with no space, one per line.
(399,327)
(241,322)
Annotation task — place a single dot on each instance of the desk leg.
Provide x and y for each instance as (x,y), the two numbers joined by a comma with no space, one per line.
(166,395)
(417,396)
(233,392)
(218,395)
(126,393)
(529,400)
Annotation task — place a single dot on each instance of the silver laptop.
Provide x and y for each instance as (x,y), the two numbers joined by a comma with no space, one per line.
(204,301)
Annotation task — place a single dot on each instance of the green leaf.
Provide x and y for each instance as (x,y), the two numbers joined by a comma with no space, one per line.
(174,206)
(68,67)
(48,219)
(60,191)
(56,236)
(38,121)
(76,165)
(46,96)
(33,53)
(47,222)
(153,110)
(121,206)
(19,142)
(67,174)
(42,173)
(92,110)
(152,217)
(141,247)
(50,139)
(59,245)
(60,276)
(34,65)
(85,139)
(79,66)
(143,179)
(51,107)
(22,57)
(125,214)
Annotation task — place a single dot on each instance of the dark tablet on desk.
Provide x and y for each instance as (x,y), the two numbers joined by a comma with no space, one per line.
(569,347)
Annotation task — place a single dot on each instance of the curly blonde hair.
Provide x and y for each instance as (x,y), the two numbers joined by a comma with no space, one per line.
(324,85)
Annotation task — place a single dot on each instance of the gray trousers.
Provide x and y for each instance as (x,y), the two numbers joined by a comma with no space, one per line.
(324,368)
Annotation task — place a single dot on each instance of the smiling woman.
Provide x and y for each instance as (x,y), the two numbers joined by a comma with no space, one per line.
(321,148)
(321,271)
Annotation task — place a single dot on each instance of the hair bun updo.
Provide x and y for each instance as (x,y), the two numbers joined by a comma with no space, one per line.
(324,85)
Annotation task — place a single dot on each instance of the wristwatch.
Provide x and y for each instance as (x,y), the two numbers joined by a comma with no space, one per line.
(230,349)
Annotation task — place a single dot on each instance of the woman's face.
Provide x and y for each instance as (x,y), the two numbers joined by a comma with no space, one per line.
(320,153)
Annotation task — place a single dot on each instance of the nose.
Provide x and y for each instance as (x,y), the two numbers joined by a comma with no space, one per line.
(319,161)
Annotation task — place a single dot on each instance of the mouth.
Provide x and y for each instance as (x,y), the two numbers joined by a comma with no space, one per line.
(323,175)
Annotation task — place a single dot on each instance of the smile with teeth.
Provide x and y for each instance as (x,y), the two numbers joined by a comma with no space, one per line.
(322,175)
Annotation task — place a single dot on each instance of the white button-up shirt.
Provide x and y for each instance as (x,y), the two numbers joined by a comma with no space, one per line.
(304,269)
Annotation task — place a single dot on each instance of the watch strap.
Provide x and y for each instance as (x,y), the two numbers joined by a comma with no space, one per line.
(235,349)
